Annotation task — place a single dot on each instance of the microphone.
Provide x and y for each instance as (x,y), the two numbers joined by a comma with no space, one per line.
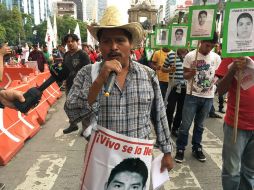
(59,72)
(110,83)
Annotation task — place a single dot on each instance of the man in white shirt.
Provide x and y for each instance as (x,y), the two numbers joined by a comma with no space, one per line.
(198,103)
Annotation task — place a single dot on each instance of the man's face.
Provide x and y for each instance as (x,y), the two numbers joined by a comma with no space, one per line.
(182,53)
(206,47)
(202,19)
(244,28)
(72,44)
(114,44)
(126,181)
(179,36)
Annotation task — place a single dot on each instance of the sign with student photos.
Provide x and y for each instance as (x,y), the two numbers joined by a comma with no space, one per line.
(148,41)
(114,161)
(202,22)
(162,37)
(238,33)
(149,53)
(152,41)
(178,36)
(193,44)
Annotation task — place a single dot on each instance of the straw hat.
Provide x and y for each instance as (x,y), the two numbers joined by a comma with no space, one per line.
(112,19)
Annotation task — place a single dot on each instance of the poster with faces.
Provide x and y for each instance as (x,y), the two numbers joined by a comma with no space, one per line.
(202,23)
(178,37)
(162,37)
(125,164)
(239,30)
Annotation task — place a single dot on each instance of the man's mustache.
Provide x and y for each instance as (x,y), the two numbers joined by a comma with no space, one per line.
(113,54)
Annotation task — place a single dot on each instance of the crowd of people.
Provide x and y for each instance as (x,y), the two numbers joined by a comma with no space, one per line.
(175,92)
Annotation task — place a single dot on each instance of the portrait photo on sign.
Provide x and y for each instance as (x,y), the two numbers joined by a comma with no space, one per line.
(126,162)
(178,36)
(193,44)
(152,40)
(130,173)
(162,37)
(148,41)
(202,22)
(240,30)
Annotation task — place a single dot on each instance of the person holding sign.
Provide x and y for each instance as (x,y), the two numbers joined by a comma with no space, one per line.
(129,174)
(174,66)
(158,59)
(197,105)
(238,165)
(135,103)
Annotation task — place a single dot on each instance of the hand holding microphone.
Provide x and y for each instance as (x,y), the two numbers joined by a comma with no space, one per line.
(109,71)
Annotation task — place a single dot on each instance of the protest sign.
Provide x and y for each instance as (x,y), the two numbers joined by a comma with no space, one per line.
(162,37)
(115,159)
(202,22)
(149,53)
(193,44)
(238,33)
(178,36)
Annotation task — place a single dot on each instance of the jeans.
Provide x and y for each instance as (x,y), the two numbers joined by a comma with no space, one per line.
(163,87)
(212,110)
(238,160)
(174,99)
(221,102)
(196,108)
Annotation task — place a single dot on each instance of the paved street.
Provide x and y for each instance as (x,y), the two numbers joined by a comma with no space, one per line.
(51,160)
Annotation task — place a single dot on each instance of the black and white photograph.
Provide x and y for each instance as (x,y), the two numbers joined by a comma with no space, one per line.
(240,31)
(130,173)
(202,23)
(162,37)
(179,36)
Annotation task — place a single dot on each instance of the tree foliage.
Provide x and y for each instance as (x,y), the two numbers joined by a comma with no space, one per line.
(15,25)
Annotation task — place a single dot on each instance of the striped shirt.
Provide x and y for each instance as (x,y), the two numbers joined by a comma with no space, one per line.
(169,61)
(132,111)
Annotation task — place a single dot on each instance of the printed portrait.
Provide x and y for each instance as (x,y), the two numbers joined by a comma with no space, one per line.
(240,33)
(178,36)
(162,36)
(202,22)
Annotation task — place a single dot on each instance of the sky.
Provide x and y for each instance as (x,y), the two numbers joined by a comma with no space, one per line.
(124,5)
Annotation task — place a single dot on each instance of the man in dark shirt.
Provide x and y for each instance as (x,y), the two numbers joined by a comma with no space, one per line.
(74,59)
(37,55)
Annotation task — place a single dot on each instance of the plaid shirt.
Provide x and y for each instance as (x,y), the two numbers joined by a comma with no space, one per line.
(132,111)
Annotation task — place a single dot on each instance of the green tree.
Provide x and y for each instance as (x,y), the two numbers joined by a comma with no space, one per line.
(2,34)
(13,24)
(28,27)
(68,23)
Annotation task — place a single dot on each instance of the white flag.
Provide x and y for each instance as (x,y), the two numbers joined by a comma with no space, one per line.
(77,32)
(90,40)
(55,32)
(49,36)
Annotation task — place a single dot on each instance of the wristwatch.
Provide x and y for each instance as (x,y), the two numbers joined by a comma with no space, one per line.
(1,105)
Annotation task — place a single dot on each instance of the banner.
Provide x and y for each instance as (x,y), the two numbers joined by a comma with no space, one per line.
(49,36)
(113,159)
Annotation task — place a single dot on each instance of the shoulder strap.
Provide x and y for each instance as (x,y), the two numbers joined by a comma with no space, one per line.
(95,70)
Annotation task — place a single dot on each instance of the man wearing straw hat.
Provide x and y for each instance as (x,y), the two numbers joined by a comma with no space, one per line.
(238,157)
(135,104)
